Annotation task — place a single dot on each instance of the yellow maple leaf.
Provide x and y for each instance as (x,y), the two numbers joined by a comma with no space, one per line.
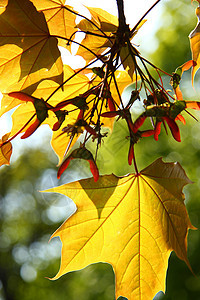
(195,44)
(28,53)
(5,150)
(3,5)
(106,23)
(60,18)
(132,223)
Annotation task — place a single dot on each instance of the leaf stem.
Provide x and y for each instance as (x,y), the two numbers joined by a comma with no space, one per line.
(134,162)
(82,16)
(121,16)
(18,132)
(75,73)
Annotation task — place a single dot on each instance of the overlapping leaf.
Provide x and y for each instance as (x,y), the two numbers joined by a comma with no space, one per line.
(28,54)
(107,25)
(60,18)
(77,85)
(133,223)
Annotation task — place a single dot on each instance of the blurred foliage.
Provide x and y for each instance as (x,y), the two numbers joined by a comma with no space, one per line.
(176,22)
(28,218)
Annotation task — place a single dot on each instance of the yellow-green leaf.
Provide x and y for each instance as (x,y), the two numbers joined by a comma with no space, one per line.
(28,54)
(128,61)
(5,150)
(132,223)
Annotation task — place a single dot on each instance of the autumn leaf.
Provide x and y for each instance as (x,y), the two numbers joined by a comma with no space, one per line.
(3,5)
(118,221)
(5,150)
(60,18)
(195,44)
(104,20)
(107,25)
(128,53)
(28,54)
(127,60)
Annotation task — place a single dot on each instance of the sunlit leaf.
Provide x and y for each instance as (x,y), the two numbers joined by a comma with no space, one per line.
(105,21)
(195,44)
(3,5)
(97,44)
(5,150)
(132,223)
(60,19)
(28,54)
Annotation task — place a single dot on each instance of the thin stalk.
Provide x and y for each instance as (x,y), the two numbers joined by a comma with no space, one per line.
(134,28)
(77,43)
(82,16)
(121,16)
(134,162)
(77,72)
(16,134)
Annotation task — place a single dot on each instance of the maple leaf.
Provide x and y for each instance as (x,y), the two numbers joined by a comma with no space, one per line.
(60,18)
(195,44)
(28,53)
(107,25)
(128,53)
(118,221)
(5,150)
(3,5)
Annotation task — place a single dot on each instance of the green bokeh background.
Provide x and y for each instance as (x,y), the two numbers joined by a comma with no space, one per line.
(28,217)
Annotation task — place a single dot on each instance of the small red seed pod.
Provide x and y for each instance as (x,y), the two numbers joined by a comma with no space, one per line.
(22,96)
(63,166)
(180,118)
(138,123)
(30,130)
(80,115)
(110,114)
(147,133)
(94,170)
(157,130)
(174,128)
(56,126)
(89,129)
(82,153)
(111,104)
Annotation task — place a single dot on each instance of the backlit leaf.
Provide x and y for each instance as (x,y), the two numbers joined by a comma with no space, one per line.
(60,19)
(3,5)
(28,54)
(132,223)
(195,44)
(5,151)
(97,44)
(127,60)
